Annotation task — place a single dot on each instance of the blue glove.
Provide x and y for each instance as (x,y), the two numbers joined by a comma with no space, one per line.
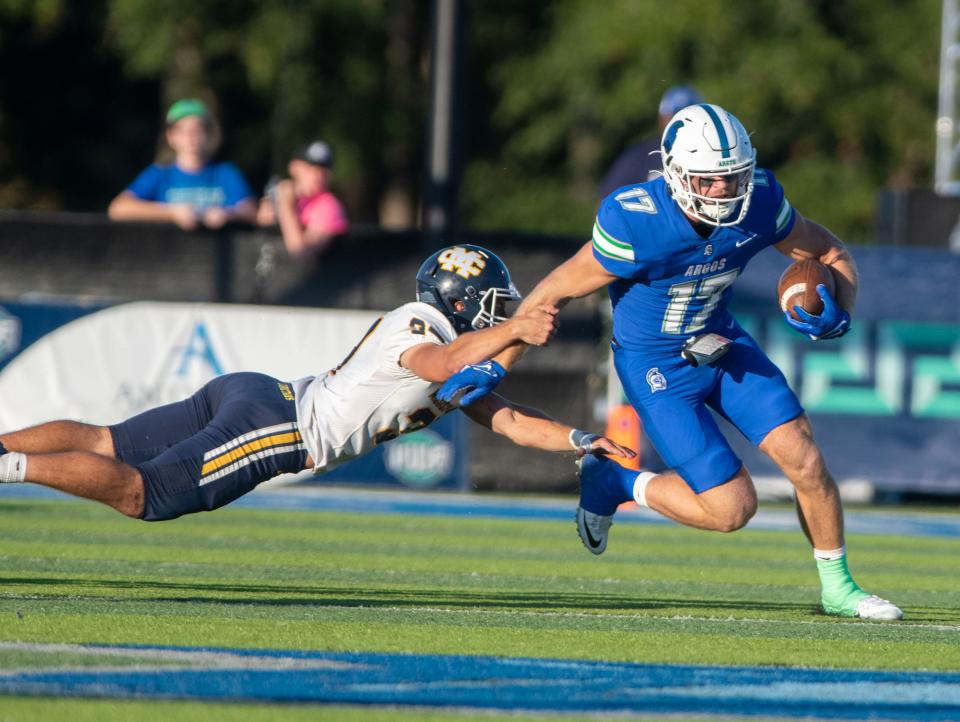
(833,322)
(477,379)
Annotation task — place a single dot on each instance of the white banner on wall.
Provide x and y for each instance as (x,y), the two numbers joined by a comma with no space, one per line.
(115,363)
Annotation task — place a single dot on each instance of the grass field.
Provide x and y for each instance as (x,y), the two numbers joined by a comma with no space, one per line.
(76,573)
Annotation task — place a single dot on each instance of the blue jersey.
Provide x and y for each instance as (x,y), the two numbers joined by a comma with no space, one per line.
(216,184)
(673,283)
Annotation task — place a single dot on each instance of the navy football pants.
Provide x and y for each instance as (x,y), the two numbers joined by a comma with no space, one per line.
(203,452)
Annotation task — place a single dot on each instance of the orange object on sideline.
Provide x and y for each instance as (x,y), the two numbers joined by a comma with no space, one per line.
(623,426)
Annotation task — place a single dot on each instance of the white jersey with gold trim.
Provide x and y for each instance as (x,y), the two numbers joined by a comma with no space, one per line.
(370,398)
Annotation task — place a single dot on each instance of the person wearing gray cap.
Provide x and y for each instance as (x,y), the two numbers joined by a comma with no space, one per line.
(309,214)
(638,162)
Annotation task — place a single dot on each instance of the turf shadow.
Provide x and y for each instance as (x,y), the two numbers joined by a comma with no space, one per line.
(302,595)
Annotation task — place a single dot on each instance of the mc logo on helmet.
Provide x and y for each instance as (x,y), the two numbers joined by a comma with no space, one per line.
(462,261)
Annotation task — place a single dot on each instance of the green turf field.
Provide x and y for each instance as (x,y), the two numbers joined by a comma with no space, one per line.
(73,572)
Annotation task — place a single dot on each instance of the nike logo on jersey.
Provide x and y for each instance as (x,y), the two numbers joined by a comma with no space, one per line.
(745,241)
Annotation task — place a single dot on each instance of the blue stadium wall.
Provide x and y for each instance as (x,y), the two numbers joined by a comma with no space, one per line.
(885,399)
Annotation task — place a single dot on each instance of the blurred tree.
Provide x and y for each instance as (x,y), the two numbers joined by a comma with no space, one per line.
(840,95)
(276,72)
(67,113)
(289,71)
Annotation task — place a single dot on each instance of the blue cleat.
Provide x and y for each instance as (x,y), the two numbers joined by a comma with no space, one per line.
(602,490)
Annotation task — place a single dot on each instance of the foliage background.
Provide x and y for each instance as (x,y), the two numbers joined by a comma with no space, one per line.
(840,95)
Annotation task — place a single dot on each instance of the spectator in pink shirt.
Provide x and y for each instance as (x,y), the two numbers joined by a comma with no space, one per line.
(310,216)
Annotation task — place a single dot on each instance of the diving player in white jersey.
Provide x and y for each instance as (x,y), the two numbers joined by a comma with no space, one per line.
(670,250)
(244,428)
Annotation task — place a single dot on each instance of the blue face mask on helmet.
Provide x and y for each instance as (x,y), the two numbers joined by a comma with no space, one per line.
(468,284)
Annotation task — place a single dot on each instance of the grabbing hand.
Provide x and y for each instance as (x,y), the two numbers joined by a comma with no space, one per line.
(537,326)
(584,442)
(477,380)
(833,322)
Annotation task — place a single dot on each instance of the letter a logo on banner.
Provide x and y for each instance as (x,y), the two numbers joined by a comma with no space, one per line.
(199,347)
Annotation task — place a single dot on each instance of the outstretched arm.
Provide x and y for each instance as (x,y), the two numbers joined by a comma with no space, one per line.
(526,426)
(576,277)
(579,276)
(128,207)
(437,362)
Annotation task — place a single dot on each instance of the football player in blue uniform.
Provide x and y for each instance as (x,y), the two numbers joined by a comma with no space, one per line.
(670,250)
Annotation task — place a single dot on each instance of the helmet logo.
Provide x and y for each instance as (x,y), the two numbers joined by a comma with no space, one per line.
(462,261)
(671,135)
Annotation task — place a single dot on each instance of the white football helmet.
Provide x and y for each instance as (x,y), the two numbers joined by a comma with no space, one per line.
(705,140)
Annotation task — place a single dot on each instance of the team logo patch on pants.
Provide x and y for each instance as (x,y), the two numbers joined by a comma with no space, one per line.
(657,381)
(244,450)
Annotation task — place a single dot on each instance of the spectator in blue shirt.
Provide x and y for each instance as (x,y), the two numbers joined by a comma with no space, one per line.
(191,191)
(637,162)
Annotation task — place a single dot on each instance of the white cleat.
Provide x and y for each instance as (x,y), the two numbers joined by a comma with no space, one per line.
(593,529)
(873,607)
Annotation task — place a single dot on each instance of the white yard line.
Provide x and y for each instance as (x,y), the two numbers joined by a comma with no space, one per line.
(188,658)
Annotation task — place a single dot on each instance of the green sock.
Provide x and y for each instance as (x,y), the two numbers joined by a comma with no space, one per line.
(839,594)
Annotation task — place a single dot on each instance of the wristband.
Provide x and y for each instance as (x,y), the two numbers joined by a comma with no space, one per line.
(580,439)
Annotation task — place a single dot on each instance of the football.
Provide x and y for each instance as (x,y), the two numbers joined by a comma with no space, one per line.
(798,286)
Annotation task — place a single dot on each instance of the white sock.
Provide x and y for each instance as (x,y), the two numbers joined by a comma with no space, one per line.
(640,487)
(13,467)
(829,555)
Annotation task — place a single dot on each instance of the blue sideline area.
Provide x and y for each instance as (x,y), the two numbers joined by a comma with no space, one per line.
(492,683)
(370,501)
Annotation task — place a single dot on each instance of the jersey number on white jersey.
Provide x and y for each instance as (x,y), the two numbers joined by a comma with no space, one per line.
(707,289)
(415,421)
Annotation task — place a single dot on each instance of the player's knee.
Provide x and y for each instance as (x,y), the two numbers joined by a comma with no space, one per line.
(130,501)
(733,504)
(737,517)
(809,469)
(792,446)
